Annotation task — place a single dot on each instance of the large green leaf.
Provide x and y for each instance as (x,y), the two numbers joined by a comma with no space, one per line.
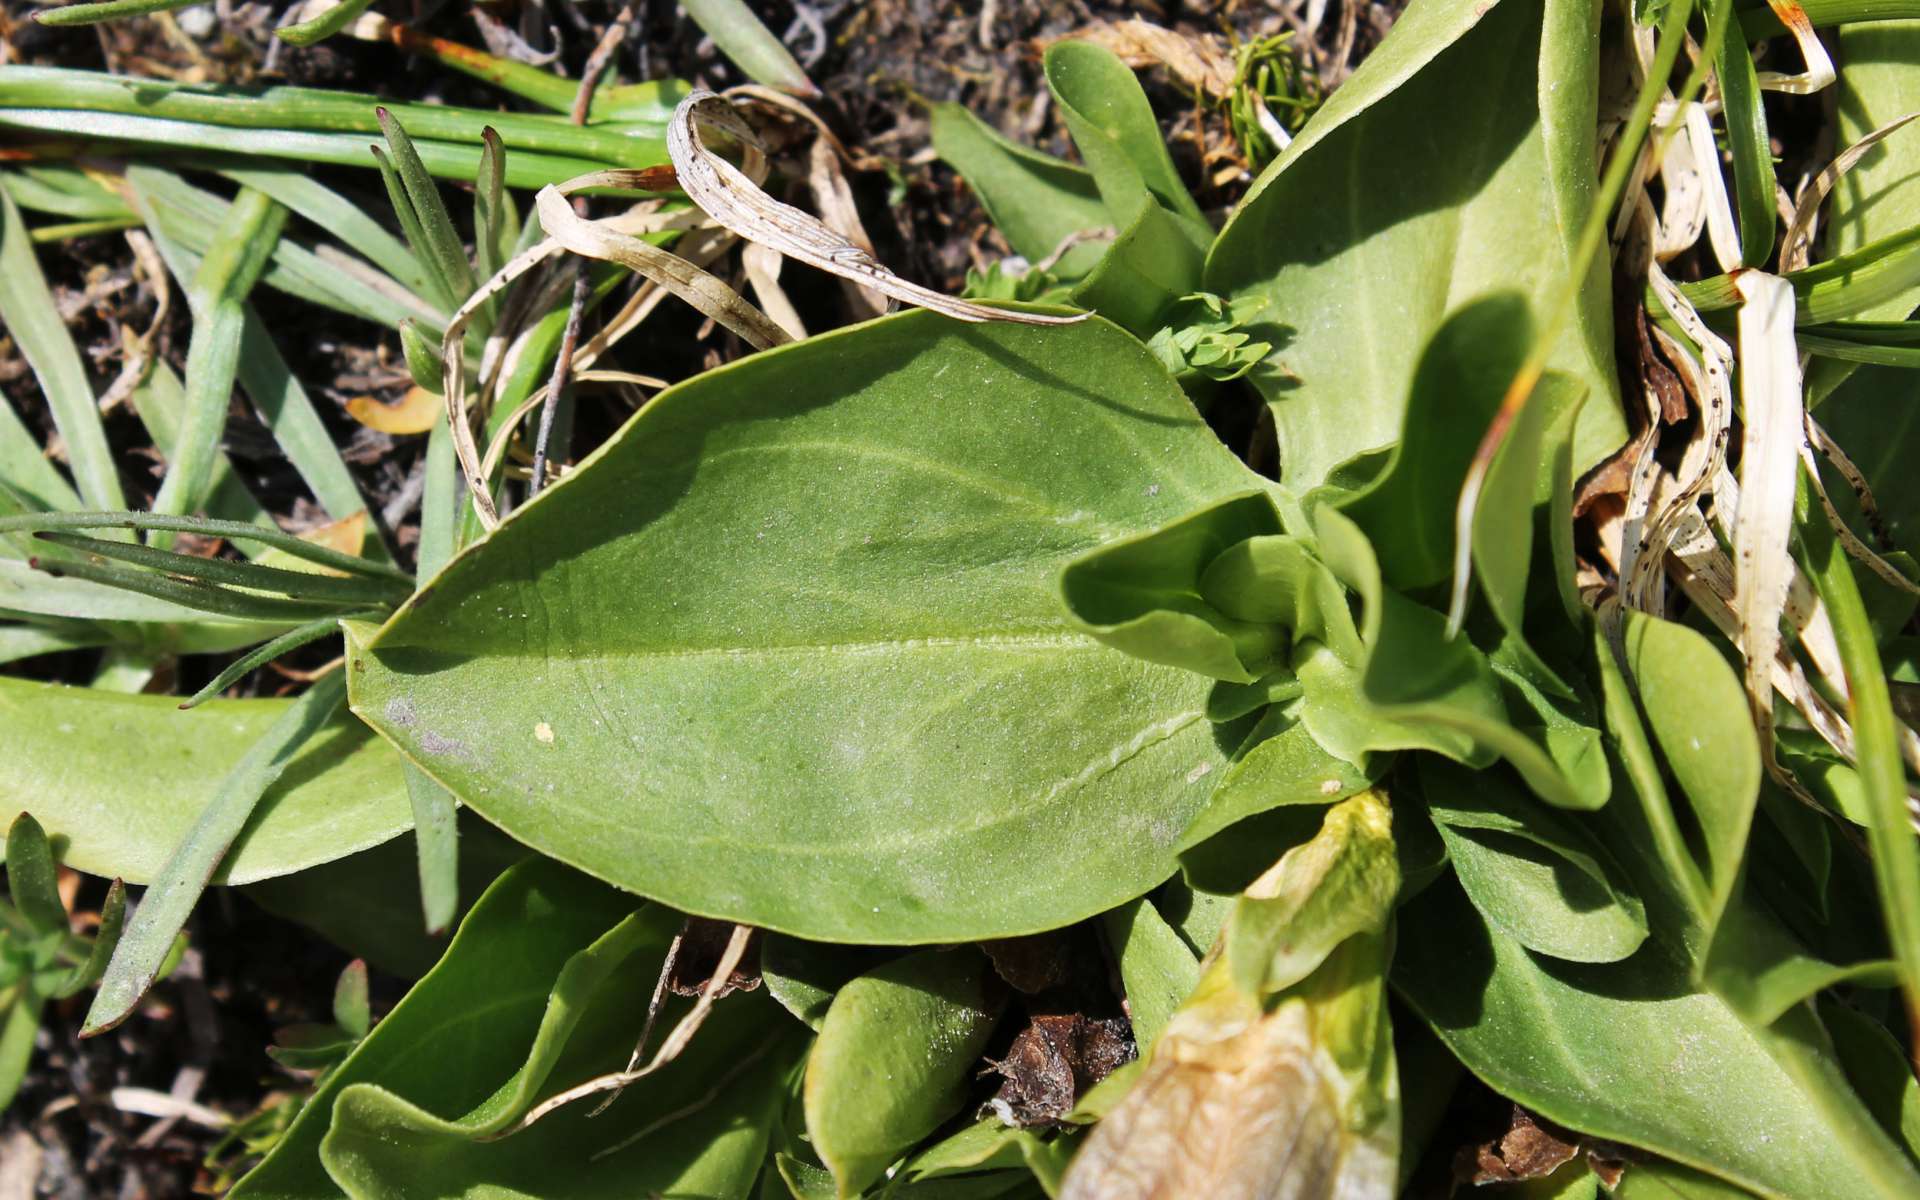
(125,777)
(536,993)
(1632,1051)
(760,656)
(1414,190)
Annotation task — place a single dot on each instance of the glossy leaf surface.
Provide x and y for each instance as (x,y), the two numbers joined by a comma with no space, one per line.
(760,656)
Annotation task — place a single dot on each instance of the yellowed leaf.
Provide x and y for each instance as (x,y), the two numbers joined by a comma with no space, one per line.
(413,414)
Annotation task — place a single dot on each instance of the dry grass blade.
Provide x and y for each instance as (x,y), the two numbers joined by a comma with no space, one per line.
(706,292)
(1798,246)
(733,199)
(1819,73)
(1705,458)
(1856,549)
(1769,462)
(138,348)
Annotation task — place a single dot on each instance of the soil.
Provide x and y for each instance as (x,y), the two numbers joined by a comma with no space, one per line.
(877,63)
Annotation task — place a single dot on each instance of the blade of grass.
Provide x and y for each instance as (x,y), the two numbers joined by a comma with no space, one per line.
(24,467)
(750,45)
(200,597)
(446,160)
(411,231)
(186,217)
(1834,290)
(205,527)
(344,221)
(294,585)
(328,23)
(1896,868)
(31,317)
(232,266)
(45,234)
(644,104)
(170,898)
(442,249)
(266,652)
(288,411)
(22,1025)
(107,10)
(288,110)
(435,812)
(285,408)
(1747,141)
(26,591)
(31,882)
(161,405)
(63,191)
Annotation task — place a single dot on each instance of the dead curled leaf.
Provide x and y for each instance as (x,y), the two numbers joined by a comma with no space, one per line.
(729,196)
(1527,1150)
(1053,1062)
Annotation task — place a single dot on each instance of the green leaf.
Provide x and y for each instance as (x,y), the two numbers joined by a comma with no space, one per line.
(217,293)
(1694,706)
(1034,200)
(31,883)
(176,889)
(1762,972)
(1633,1052)
(743,620)
(1149,267)
(895,1052)
(1347,255)
(982,1148)
(557,961)
(1747,141)
(1524,474)
(1416,689)
(1284,765)
(804,976)
(1144,595)
(1534,874)
(125,777)
(1407,513)
(1656,1180)
(1157,969)
(1115,131)
(1341,883)
(1877,1065)
(750,45)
